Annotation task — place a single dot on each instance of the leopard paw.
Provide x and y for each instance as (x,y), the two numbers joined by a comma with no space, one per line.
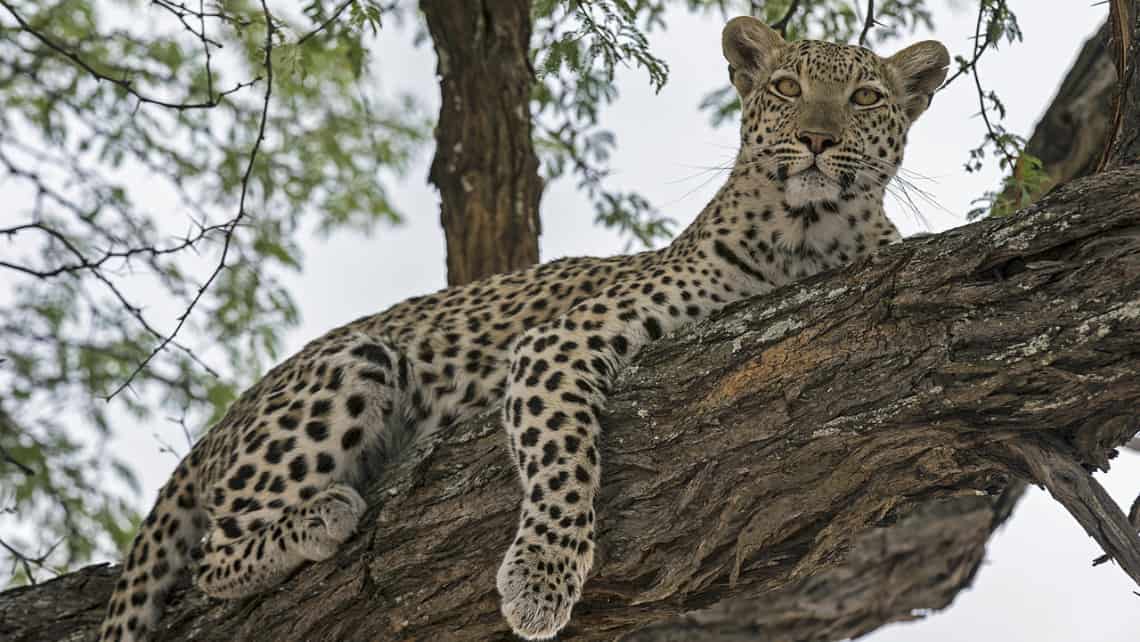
(539,585)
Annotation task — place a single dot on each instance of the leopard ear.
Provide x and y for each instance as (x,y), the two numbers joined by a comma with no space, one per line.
(750,46)
(921,69)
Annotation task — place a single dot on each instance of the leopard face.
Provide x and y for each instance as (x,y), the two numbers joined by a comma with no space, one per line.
(827,120)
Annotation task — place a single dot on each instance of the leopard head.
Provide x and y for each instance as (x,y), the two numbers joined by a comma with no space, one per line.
(826,121)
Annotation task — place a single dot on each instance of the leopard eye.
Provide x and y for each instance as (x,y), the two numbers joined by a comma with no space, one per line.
(865,97)
(787,87)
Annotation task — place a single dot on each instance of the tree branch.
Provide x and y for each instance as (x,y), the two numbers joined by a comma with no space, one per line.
(868,22)
(781,25)
(125,83)
(231,227)
(808,465)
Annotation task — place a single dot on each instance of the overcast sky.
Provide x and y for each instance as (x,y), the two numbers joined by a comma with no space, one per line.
(1037,583)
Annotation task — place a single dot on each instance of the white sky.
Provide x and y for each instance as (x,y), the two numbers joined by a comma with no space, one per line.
(1037,584)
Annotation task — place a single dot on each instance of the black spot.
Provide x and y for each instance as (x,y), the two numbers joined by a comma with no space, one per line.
(374,353)
(256,443)
(277,486)
(553,381)
(375,376)
(355,405)
(317,430)
(298,468)
(653,327)
(320,408)
(572,444)
(352,437)
(326,463)
(336,379)
(535,406)
(556,420)
(530,437)
(549,453)
(230,527)
(273,452)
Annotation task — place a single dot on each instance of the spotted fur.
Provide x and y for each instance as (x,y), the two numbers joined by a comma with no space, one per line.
(272,484)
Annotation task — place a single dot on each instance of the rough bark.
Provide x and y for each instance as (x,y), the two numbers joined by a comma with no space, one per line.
(1072,134)
(1124,26)
(485,165)
(808,465)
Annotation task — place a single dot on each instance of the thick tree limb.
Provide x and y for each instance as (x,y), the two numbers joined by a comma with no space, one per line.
(809,465)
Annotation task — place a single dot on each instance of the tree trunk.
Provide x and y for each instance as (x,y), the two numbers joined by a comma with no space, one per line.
(809,465)
(485,165)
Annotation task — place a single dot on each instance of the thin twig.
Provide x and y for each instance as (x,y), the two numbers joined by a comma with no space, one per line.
(868,22)
(27,561)
(1009,158)
(781,25)
(7,456)
(83,263)
(134,310)
(977,54)
(126,84)
(324,25)
(206,48)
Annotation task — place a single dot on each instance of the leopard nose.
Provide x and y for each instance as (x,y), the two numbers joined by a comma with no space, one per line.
(817,142)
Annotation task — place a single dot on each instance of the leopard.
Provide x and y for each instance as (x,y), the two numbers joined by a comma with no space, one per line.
(277,482)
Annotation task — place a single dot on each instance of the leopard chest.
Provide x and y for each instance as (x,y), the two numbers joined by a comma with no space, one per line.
(824,236)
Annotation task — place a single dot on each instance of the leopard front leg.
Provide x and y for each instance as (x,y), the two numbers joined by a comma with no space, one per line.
(551,416)
(560,374)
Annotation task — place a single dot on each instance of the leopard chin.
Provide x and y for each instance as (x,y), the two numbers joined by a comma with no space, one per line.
(811,186)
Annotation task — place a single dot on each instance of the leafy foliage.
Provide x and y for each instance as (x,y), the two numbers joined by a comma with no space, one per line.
(1027,178)
(130,198)
(580,45)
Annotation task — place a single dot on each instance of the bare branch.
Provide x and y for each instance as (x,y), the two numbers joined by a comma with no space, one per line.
(868,22)
(83,263)
(1010,158)
(131,308)
(126,84)
(230,227)
(28,561)
(324,25)
(781,25)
